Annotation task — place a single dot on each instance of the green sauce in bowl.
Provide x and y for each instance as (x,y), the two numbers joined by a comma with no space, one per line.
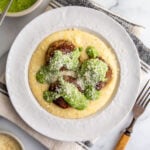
(17,5)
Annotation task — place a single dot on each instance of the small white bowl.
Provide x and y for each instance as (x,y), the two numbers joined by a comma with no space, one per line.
(26,11)
(14,137)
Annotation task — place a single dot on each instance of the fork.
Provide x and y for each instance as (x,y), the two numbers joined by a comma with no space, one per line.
(141,103)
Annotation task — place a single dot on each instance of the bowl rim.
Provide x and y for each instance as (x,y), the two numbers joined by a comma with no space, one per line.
(47,27)
(13,136)
(26,11)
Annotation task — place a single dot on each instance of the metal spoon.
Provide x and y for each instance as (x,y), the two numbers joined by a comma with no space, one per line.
(3,15)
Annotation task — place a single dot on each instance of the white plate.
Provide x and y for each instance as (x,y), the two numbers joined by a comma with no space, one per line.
(17,74)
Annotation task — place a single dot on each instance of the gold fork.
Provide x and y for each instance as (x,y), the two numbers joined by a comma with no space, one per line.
(139,107)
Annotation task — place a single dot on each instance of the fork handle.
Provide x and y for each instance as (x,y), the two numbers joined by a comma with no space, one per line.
(122,142)
(125,137)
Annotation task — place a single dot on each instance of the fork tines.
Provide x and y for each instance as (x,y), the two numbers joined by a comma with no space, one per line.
(143,98)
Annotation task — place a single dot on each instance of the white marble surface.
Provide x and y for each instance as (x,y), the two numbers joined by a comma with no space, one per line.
(140,138)
(135,10)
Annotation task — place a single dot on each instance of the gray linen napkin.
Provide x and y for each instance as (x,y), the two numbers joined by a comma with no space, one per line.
(144,52)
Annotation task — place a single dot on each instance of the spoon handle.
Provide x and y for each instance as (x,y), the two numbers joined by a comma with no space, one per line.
(3,15)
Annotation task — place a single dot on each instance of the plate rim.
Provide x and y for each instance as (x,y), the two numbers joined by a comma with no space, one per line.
(70,7)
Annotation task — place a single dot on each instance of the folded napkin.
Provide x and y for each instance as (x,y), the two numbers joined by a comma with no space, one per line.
(7,110)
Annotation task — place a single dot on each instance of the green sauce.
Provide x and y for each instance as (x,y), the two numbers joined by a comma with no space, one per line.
(70,94)
(49,96)
(88,74)
(93,71)
(91,52)
(50,73)
(17,5)
(91,93)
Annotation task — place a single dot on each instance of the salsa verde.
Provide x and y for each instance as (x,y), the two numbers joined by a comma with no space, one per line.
(17,5)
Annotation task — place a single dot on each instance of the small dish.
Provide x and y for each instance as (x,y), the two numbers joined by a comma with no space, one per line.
(26,11)
(12,136)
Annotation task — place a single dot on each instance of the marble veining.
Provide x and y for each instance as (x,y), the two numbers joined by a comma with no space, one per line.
(137,11)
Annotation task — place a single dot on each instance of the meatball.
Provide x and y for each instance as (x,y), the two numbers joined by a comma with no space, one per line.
(62,45)
(55,86)
(101,84)
(73,80)
(61,103)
